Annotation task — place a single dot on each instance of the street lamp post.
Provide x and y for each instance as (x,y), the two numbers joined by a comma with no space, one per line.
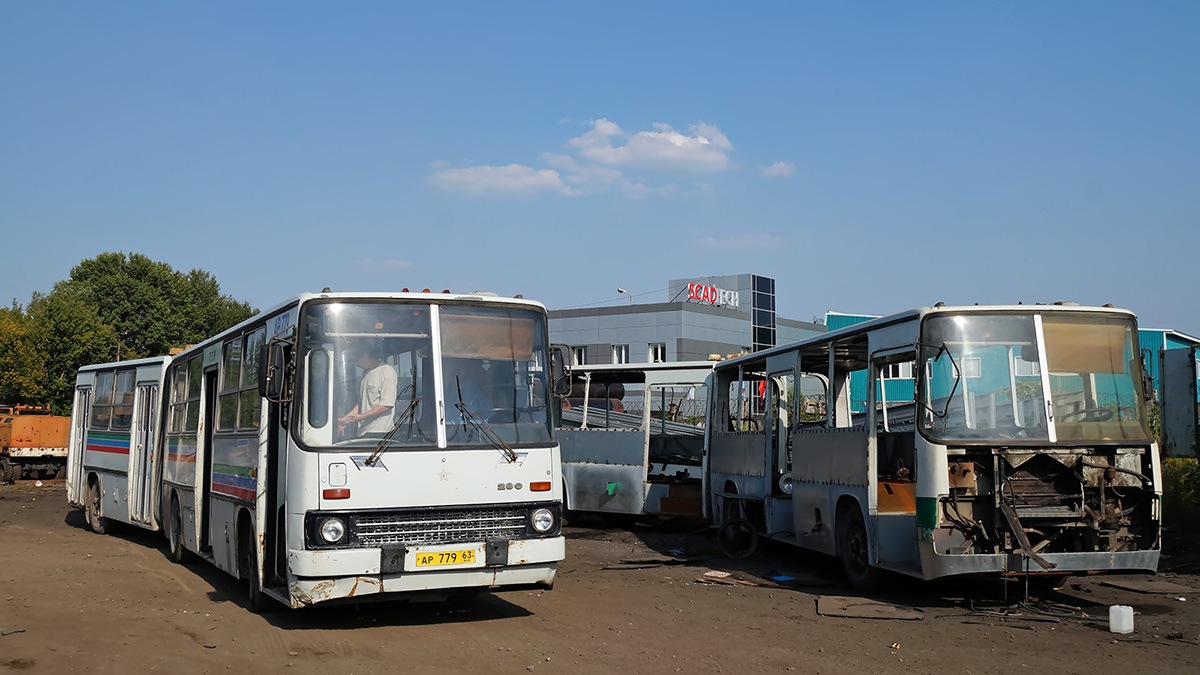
(622,290)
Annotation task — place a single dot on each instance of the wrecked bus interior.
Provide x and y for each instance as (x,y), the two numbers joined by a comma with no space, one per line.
(632,438)
(944,441)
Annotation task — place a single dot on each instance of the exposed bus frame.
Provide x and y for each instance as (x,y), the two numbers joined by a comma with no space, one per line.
(834,480)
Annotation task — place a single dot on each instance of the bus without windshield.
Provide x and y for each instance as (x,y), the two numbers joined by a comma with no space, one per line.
(1006,439)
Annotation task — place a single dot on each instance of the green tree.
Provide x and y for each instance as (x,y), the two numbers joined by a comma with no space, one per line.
(22,371)
(111,307)
(68,333)
(151,306)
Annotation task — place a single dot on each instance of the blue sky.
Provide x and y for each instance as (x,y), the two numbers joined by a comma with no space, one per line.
(870,156)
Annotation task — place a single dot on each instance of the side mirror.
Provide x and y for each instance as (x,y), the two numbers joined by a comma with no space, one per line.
(1149,393)
(272,371)
(559,373)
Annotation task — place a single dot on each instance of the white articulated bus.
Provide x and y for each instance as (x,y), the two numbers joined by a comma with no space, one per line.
(632,438)
(338,446)
(944,441)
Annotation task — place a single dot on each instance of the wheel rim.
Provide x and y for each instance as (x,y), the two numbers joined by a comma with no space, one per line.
(93,504)
(856,547)
(176,530)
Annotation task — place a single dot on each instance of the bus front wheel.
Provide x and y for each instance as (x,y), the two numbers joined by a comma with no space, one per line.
(855,551)
(256,600)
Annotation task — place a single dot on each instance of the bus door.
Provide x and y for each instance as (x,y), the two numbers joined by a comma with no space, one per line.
(81,415)
(142,463)
(209,421)
(892,423)
(779,443)
(272,492)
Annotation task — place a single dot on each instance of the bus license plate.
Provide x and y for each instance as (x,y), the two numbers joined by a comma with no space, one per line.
(459,557)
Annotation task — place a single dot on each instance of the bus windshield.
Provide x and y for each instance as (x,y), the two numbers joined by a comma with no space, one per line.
(983,378)
(370,374)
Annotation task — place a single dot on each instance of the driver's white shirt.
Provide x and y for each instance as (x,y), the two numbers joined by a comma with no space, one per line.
(378,388)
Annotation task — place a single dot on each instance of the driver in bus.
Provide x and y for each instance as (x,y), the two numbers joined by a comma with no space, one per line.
(377,395)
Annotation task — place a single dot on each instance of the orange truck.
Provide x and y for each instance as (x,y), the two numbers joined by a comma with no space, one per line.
(32,441)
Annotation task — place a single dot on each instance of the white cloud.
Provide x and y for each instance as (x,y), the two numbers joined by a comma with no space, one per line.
(513,179)
(704,148)
(591,166)
(742,242)
(779,170)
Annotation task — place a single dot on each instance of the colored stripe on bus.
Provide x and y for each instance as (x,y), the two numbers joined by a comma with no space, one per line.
(114,451)
(235,481)
(185,457)
(109,435)
(233,470)
(233,491)
(117,444)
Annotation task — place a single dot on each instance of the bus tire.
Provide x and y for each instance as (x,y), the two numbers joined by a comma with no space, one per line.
(256,601)
(92,510)
(176,551)
(737,538)
(854,549)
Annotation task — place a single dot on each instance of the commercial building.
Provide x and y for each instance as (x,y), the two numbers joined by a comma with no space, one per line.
(700,316)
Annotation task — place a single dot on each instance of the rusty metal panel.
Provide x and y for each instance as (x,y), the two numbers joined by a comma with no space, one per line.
(605,488)
(830,456)
(602,446)
(741,453)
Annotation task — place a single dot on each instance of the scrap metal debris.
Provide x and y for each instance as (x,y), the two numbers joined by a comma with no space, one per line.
(649,563)
(724,578)
(865,608)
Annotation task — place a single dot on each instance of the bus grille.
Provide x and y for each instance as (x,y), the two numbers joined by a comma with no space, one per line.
(416,528)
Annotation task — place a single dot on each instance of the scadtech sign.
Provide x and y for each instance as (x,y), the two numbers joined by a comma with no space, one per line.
(711,295)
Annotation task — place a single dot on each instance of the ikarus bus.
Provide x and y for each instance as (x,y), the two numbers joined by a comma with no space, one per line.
(338,446)
(944,441)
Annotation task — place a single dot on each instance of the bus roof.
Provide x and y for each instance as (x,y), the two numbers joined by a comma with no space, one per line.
(149,361)
(432,298)
(917,313)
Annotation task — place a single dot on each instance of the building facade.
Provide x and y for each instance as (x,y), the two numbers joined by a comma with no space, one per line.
(701,316)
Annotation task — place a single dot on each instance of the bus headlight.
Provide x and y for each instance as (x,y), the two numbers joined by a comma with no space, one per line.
(542,520)
(332,530)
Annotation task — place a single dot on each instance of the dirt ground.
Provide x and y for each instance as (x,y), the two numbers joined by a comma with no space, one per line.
(72,601)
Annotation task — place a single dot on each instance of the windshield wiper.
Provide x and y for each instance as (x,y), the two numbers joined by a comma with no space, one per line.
(482,427)
(944,349)
(407,415)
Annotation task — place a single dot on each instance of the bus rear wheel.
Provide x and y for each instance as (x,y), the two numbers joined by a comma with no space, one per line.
(176,551)
(737,538)
(855,551)
(97,522)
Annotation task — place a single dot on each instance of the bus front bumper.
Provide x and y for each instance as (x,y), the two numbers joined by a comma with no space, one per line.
(321,576)
(935,565)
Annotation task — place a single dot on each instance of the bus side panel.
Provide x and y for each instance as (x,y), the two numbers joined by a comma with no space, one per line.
(106,455)
(604,470)
(234,485)
(827,464)
(223,522)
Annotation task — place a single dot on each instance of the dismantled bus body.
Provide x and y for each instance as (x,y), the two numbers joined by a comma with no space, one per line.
(632,438)
(946,441)
(339,446)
